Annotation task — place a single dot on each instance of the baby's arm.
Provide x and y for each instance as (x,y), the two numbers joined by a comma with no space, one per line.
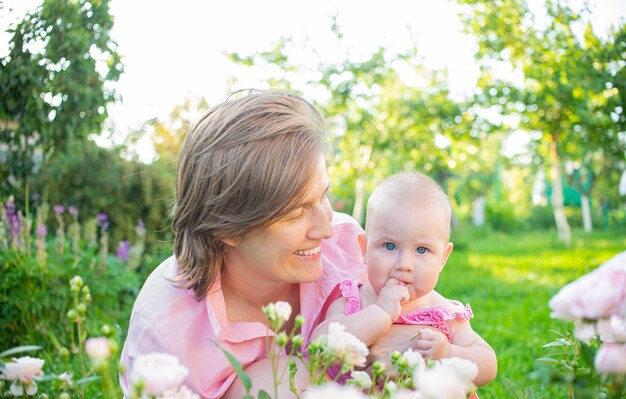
(467,344)
(373,320)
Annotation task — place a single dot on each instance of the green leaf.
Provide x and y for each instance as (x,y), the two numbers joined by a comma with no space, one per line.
(264,395)
(20,349)
(245,379)
(88,380)
(548,360)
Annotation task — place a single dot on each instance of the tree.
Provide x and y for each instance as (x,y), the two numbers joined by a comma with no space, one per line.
(563,101)
(55,83)
(381,124)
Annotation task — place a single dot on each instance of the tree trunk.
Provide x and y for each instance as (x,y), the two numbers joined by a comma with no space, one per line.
(359,189)
(560,218)
(586,209)
(478,211)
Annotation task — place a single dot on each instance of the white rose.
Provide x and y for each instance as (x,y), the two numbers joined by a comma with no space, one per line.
(584,331)
(183,393)
(333,390)
(406,394)
(283,311)
(98,349)
(414,359)
(160,373)
(23,369)
(612,329)
(345,347)
(361,379)
(611,359)
(440,382)
(466,369)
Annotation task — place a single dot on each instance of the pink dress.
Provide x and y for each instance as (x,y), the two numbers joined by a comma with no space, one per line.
(169,319)
(434,316)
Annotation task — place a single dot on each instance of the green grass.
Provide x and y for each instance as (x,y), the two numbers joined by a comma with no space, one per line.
(509,280)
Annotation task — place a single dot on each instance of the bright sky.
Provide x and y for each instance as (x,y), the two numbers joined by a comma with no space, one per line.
(173,50)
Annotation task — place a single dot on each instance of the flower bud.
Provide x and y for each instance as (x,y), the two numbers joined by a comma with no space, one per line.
(81,309)
(395,355)
(297,340)
(86,290)
(77,281)
(379,368)
(64,395)
(87,298)
(71,315)
(106,330)
(64,353)
(282,339)
(298,321)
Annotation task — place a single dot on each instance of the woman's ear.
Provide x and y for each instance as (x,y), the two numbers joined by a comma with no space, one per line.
(362,239)
(230,241)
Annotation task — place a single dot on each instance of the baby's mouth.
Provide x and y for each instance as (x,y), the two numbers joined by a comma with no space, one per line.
(308,252)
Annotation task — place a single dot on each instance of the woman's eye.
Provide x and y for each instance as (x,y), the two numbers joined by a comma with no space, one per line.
(389,246)
(422,250)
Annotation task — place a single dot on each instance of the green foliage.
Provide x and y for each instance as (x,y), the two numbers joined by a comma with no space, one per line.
(98,180)
(572,96)
(55,83)
(34,294)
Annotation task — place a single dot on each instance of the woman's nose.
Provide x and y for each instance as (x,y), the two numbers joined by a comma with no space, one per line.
(322,217)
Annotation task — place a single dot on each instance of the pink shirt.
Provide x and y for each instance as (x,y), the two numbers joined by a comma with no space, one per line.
(169,319)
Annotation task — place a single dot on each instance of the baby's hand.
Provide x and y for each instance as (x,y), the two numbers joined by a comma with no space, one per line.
(431,344)
(392,296)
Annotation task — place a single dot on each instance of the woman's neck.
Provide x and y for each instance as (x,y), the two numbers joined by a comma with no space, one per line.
(245,299)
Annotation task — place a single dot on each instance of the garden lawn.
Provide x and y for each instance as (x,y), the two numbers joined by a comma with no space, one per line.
(509,280)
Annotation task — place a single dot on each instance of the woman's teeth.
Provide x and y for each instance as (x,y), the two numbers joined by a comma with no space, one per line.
(307,252)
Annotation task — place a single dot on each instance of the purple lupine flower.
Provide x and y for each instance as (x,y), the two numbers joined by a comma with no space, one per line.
(73,210)
(41,231)
(102,218)
(13,219)
(35,196)
(9,207)
(58,209)
(123,250)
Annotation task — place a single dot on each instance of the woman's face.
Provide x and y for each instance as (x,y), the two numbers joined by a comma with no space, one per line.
(288,250)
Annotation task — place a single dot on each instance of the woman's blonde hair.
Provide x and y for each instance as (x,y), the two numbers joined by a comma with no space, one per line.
(246,163)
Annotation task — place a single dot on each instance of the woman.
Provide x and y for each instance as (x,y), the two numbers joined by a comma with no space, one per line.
(253,225)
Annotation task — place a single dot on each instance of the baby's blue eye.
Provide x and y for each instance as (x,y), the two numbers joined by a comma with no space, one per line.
(389,246)
(421,250)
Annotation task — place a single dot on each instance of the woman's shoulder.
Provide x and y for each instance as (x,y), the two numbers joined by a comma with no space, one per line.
(345,222)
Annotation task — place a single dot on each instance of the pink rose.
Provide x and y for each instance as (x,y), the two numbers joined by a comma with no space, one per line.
(611,359)
(160,374)
(98,348)
(598,294)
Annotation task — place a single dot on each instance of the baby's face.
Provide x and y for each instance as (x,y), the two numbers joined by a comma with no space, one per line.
(407,242)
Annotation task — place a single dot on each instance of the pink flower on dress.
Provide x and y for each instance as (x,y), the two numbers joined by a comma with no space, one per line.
(350,291)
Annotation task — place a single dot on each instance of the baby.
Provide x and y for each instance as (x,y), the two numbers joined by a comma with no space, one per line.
(407,231)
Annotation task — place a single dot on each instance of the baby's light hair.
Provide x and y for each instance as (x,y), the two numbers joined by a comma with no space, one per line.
(409,186)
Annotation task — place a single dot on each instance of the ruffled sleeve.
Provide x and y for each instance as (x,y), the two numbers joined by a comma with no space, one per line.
(350,291)
(438,316)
